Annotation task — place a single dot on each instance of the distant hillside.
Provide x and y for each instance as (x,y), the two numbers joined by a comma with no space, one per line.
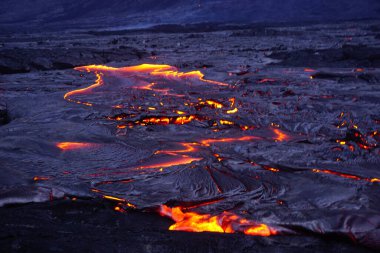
(53,14)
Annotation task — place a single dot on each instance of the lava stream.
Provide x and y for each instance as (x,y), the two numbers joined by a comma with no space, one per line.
(163,71)
(73,145)
(225,222)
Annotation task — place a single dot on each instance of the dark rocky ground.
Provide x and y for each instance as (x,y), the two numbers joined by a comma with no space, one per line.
(92,226)
(40,65)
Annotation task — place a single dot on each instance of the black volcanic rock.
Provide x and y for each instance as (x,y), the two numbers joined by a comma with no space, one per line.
(20,60)
(56,227)
(346,56)
(3,114)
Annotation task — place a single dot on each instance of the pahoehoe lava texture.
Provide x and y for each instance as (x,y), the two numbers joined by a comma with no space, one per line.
(51,227)
(294,148)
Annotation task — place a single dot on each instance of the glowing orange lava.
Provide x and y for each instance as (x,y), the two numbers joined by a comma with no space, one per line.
(181,160)
(223,223)
(164,71)
(280,135)
(235,110)
(207,142)
(226,122)
(98,82)
(73,145)
(165,92)
(213,104)
(345,175)
(121,201)
(188,148)
(40,178)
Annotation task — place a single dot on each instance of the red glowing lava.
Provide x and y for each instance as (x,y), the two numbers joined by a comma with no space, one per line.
(225,222)
(191,147)
(267,80)
(348,176)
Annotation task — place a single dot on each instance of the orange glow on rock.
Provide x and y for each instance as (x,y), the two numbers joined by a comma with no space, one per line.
(345,175)
(267,80)
(225,222)
(98,82)
(184,119)
(232,101)
(272,169)
(214,104)
(280,135)
(188,148)
(121,201)
(181,160)
(163,71)
(235,110)
(169,71)
(226,122)
(40,178)
(207,142)
(113,198)
(177,120)
(73,145)
(160,71)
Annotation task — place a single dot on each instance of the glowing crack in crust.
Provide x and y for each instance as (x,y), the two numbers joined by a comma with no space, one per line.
(225,222)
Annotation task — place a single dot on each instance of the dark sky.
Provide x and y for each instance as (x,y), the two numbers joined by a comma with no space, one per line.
(84,13)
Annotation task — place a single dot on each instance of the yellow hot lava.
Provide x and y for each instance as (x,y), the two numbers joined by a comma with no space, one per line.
(225,222)
(164,71)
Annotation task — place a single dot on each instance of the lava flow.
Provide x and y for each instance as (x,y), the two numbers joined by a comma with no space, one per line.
(187,140)
(162,71)
(188,152)
(225,222)
(73,145)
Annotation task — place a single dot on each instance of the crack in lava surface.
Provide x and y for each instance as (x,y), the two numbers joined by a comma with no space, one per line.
(192,149)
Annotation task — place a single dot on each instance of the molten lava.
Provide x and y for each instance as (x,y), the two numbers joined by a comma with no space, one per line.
(345,175)
(280,135)
(98,82)
(187,131)
(74,145)
(225,222)
(181,160)
(162,71)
